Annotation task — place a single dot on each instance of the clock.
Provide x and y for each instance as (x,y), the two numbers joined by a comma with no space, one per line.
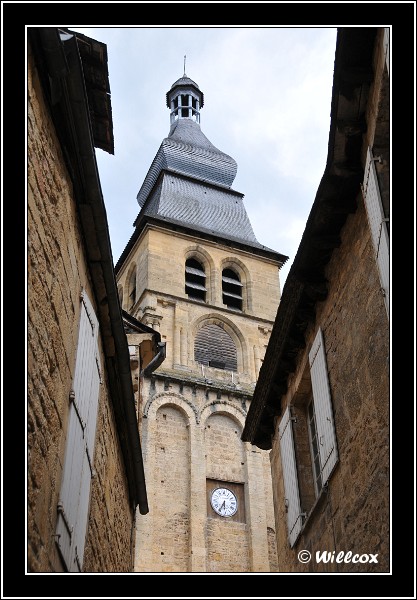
(223,502)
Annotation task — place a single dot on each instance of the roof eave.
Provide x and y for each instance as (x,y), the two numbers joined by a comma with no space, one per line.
(70,112)
(306,284)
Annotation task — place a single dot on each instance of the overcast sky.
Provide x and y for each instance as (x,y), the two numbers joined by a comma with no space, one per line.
(267,99)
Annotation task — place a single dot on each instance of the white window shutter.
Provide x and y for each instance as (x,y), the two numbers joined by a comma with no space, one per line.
(289,468)
(76,479)
(87,372)
(69,493)
(377,224)
(386,47)
(323,407)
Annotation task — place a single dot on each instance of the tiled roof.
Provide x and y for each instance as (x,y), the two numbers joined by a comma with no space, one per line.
(185,81)
(188,151)
(205,208)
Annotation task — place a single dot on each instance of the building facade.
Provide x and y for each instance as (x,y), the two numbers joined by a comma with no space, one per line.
(85,474)
(322,400)
(194,271)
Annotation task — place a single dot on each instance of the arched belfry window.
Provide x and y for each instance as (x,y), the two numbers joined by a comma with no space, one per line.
(232,289)
(195,280)
(132,288)
(215,348)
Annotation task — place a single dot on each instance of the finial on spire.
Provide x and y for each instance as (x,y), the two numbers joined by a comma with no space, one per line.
(185,58)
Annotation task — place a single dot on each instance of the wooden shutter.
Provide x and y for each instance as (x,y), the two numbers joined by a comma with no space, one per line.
(76,479)
(377,224)
(386,47)
(323,407)
(289,468)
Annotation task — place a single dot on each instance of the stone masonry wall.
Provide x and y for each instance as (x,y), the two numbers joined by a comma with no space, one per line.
(191,435)
(354,513)
(227,541)
(56,274)
(213,403)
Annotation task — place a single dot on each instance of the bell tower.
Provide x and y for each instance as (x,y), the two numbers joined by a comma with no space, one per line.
(194,271)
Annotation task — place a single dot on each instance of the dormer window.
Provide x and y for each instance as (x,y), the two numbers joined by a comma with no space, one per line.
(232,289)
(195,280)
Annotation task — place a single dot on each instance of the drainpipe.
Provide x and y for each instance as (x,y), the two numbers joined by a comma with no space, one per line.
(156,361)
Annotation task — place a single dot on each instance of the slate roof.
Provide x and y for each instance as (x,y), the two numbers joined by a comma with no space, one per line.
(189,185)
(188,151)
(179,200)
(185,81)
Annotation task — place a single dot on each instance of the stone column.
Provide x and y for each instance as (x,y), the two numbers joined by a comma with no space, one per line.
(146,559)
(198,505)
(256,511)
(177,344)
(183,343)
(257,361)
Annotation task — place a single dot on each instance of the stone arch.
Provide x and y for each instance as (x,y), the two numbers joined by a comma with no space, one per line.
(234,263)
(173,399)
(222,425)
(230,328)
(130,286)
(222,407)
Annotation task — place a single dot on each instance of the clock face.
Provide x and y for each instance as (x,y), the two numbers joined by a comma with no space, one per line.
(224,502)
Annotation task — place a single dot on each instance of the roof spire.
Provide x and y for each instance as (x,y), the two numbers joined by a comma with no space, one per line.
(185,58)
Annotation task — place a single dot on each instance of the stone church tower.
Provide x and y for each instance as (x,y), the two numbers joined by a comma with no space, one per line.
(194,271)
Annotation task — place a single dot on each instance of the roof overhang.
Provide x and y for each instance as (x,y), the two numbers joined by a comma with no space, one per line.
(306,284)
(61,68)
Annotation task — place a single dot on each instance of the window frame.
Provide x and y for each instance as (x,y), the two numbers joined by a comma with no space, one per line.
(314,392)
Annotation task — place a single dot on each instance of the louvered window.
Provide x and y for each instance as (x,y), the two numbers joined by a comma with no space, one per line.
(215,348)
(322,408)
(377,224)
(289,468)
(195,280)
(232,289)
(74,495)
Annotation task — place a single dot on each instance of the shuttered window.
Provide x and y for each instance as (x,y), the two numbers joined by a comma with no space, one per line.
(232,289)
(78,468)
(314,447)
(386,47)
(195,280)
(215,348)
(289,468)
(322,407)
(377,224)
